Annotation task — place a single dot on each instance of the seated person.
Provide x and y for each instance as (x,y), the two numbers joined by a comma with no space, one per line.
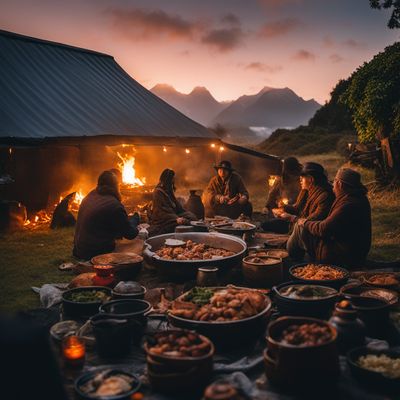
(167,213)
(344,237)
(313,203)
(226,194)
(286,186)
(102,219)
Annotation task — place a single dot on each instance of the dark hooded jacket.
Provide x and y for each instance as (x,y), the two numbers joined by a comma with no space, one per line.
(344,237)
(313,204)
(102,219)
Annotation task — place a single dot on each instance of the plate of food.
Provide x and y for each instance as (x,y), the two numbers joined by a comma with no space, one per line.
(107,384)
(224,314)
(320,274)
(376,368)
(382,280)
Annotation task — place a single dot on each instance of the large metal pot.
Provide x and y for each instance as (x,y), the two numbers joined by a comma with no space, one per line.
(227,334)
(187,269)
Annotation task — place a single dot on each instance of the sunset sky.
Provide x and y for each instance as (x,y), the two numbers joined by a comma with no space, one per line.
(232,47)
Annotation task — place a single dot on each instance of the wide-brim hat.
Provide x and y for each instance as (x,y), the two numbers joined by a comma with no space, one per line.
(291,166)
(312,169)
(350,177)
(224,165)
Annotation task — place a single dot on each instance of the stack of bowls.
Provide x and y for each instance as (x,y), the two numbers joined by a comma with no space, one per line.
(300,366)
(169,373)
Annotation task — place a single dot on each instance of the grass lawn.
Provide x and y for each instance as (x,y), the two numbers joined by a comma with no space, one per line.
(31,257)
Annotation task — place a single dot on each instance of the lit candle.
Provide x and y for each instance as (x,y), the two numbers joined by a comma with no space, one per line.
(73,350)
(285,201)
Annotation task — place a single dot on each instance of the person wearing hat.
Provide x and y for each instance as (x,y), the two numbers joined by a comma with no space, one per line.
(285,190)
(313,203)
(102,219)
(226,193)
(344,237)
(167,213)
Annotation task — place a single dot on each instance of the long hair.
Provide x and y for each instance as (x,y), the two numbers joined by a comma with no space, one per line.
(167,180)
(107,184)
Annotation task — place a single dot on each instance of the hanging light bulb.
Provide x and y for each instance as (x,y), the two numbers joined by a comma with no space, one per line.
(222,148)
(213,145)
(164,149)
(187,151)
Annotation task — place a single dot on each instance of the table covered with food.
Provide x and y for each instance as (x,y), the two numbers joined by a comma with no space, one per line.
(269,328)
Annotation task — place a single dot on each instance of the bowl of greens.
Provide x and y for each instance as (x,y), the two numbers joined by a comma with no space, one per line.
(84,302)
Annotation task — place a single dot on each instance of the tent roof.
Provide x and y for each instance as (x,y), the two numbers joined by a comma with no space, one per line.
(51,91)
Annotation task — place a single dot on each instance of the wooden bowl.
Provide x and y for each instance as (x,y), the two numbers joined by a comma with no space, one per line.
(266,273)
(300,363)
(173,361)
(126,265)
(333,283)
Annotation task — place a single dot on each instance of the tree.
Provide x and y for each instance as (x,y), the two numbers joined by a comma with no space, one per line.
(394,5)
(373,98)
(334,116)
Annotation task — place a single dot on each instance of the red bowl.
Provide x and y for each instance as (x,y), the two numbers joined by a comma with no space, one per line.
(103,270)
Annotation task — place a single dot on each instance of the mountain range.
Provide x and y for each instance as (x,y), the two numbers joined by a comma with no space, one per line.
(268,109)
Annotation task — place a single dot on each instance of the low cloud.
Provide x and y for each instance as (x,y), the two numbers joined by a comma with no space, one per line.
(230,19)
(223,40)
(353,44)
(304,55)
(328,42)
(143,24)
(335,58)
(262,67)
(280,27)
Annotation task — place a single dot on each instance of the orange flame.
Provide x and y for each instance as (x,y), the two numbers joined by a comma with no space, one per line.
(127,167)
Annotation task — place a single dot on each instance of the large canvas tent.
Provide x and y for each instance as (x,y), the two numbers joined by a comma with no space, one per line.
(56,99)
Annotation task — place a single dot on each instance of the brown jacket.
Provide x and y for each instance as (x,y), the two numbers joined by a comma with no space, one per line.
(165,210)
(313,204)
(101,219)
(217,187)
(344,237)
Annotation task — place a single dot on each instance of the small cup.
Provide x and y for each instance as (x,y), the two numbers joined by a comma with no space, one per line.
(73,350)
(207,277)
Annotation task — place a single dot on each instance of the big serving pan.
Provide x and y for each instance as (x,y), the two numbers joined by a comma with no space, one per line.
(227,334)
(187,269)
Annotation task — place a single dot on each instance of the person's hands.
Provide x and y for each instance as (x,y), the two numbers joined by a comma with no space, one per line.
(233,200)
(286,216)
(223,199)
(243,199)
(181,221)
(277,212)
(301,221)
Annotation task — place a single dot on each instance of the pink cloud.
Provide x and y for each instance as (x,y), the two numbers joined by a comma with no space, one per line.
(280,27)
(304,55)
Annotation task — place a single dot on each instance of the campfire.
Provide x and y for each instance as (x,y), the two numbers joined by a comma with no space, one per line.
(43,217)
(127,167)
(135,193)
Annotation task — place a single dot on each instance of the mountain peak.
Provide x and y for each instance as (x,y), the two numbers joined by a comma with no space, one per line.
(165,87)
(200,89)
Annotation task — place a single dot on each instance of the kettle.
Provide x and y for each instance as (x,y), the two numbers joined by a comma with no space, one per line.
(351,330)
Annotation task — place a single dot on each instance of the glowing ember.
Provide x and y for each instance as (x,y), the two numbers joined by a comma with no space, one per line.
(127,167)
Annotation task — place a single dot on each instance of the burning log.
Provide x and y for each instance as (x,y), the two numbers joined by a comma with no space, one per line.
(62,217)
